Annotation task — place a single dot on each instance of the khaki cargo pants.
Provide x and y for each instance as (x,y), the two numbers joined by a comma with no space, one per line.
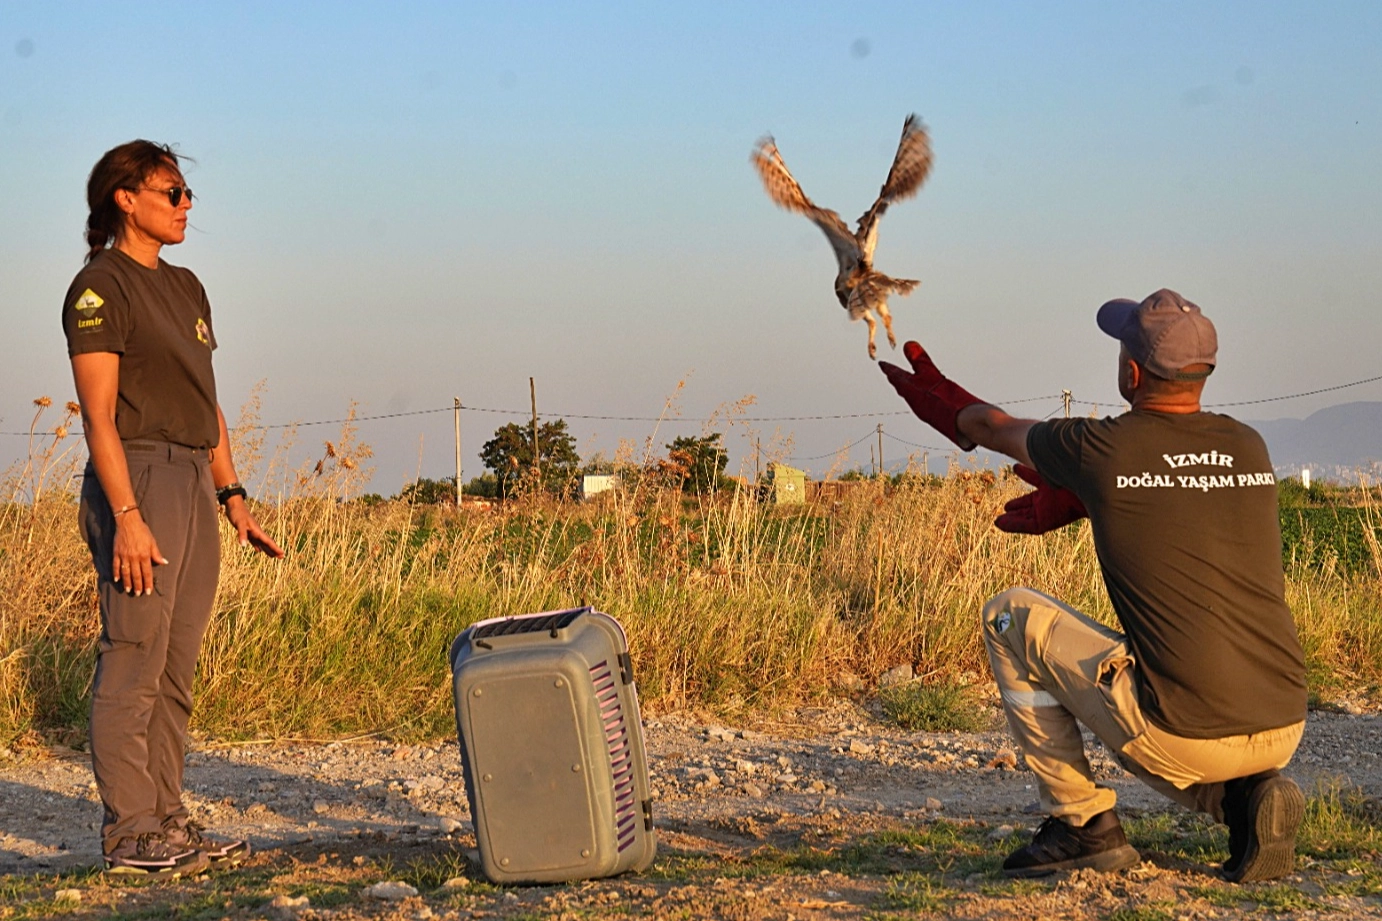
(147,654)
(1056,668)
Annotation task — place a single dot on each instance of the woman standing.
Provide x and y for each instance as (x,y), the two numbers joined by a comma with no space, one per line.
(139,336)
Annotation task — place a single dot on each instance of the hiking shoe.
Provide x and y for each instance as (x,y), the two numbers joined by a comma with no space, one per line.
(1057,845)
(1262,812)
(219,851)
(1235,806)
(151,855)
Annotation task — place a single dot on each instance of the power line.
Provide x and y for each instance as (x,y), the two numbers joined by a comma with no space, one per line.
(675,419)
(1289,396)
(1308,393)
(552,415)
(912,444)
(837,453)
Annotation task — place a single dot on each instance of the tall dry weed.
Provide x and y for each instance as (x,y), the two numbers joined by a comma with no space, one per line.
(46,641)
(730,603)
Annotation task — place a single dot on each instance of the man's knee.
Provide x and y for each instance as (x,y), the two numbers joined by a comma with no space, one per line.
(1007,608)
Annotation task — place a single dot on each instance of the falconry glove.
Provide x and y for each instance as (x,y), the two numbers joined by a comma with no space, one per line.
(934,398)
(1044,509)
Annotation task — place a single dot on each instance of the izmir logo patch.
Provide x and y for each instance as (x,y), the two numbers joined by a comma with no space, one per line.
(87,305)
(203,334)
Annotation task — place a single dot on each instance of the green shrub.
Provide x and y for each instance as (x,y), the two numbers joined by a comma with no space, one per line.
(1338,538)
(940,707)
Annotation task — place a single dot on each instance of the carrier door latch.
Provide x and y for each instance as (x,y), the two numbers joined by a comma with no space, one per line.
(647,815)
(625,668)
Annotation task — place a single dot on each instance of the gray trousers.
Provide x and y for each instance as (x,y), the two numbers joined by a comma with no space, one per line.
(147,655)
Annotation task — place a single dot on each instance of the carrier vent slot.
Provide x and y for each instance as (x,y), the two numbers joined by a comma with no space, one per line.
(617,744)
(534,623)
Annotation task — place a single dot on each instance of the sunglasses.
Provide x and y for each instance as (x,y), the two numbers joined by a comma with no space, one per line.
(174,194)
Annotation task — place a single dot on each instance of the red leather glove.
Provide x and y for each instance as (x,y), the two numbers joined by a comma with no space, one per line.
(935,399)
(1044,509)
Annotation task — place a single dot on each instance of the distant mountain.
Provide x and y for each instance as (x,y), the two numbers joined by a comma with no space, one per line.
(1337,442)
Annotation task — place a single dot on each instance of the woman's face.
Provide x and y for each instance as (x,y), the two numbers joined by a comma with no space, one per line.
(150,214)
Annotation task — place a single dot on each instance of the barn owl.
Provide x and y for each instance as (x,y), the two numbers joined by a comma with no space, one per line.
(861,290)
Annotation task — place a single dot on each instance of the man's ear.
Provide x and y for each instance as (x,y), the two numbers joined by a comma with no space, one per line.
(1134,374)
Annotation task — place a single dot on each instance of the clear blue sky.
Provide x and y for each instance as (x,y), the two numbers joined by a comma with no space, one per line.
(402,203)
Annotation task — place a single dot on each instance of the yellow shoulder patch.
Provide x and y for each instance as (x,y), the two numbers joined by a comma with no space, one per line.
(88,303)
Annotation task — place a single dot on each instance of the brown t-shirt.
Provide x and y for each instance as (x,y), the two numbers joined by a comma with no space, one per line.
(1184,513)
(159,322)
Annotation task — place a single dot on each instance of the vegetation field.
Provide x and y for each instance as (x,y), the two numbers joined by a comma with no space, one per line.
(731,604)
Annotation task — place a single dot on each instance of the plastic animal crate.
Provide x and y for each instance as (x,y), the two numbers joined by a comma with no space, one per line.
(552,747)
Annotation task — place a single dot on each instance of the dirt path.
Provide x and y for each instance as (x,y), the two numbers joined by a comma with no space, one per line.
(830,816)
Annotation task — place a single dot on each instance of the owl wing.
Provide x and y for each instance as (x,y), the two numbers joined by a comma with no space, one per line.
(911,166)
(786,193)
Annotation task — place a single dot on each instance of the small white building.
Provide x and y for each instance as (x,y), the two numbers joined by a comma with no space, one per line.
(592,484)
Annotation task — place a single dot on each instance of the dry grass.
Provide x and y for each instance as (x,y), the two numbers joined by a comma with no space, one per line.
(730,604)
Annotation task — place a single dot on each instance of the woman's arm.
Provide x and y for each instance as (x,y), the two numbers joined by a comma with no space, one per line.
(97,376)
(237,510)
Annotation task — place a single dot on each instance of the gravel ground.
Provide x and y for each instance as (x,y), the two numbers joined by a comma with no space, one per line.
(721,792)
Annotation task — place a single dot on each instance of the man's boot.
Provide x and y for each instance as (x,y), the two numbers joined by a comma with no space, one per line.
(1058,845)
(1262,812)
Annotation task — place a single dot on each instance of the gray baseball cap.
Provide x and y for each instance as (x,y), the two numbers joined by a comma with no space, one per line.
(1164,333)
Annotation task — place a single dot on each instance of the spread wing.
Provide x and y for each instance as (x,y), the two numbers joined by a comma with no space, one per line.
(911,165)
(786,193)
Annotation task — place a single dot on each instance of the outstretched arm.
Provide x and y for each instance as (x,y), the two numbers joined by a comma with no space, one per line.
(994,429)
(953,411)
(968,421)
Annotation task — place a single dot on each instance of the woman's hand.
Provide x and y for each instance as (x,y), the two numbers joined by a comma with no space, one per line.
(248,530)
(136,554)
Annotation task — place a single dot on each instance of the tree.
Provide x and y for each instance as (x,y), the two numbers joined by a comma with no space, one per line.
(510,455)
(486,486)
(426,491)
(700,461)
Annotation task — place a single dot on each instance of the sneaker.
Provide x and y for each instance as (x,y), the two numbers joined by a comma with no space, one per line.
(1057,845)
(1262,812)
(1235,807)
(152,855)
(219,851)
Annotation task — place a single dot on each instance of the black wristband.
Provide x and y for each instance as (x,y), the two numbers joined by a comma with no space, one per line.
(230,491)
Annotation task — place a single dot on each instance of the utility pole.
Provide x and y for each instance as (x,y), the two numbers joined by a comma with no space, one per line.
(532,395)
(1065,398)
(880,450)
(458,451)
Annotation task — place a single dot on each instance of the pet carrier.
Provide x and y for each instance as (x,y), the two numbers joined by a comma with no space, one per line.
(552,747)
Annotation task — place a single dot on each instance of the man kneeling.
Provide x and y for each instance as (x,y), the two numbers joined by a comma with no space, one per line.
(1203,693)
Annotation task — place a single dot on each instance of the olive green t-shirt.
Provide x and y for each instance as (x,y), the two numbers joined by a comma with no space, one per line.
(159,322)
(1184,514)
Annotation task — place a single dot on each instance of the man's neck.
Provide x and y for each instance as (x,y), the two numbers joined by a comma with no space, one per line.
(1164,405)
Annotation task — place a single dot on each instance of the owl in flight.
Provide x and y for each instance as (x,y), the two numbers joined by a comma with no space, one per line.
(861,290)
